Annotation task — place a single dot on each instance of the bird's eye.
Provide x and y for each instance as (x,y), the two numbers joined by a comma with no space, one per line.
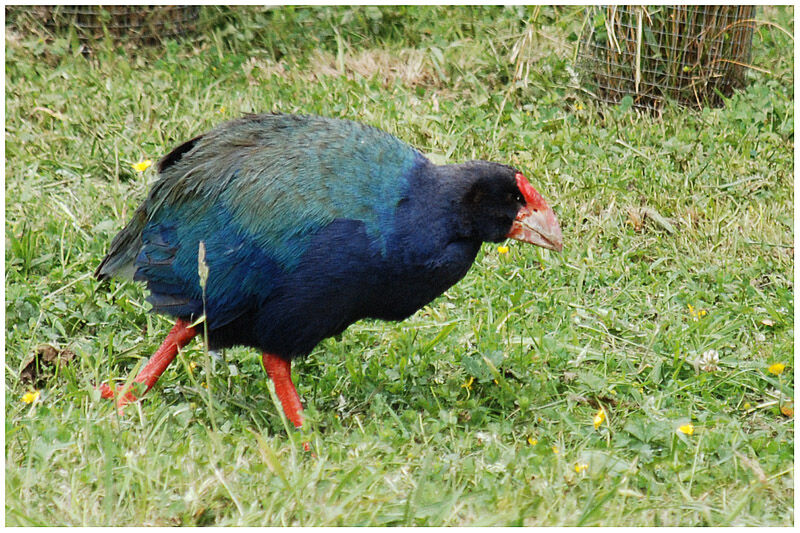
(515,197)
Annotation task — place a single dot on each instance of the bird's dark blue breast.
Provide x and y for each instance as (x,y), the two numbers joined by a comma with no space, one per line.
(308,225)
(345,276)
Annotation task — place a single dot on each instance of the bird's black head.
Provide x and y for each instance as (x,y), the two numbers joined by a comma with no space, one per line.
(496,202)
(487,199)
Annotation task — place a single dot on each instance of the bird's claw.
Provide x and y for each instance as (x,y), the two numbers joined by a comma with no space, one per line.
(109,393)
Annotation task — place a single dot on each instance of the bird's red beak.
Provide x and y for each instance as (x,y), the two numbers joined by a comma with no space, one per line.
(535,223)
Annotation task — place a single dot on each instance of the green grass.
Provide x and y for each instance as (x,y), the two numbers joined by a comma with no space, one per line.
(477,409)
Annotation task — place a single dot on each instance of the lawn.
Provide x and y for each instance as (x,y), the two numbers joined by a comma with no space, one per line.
(544,389)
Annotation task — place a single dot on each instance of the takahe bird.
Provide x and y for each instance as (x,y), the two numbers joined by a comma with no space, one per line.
(309,224)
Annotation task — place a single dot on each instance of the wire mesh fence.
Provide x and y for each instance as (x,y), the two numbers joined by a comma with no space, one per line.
(694,55)
(140,24)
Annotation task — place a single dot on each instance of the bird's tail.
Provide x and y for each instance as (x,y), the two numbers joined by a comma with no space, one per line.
(125,246)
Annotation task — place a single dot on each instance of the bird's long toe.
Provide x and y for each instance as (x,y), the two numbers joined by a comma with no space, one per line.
(110,393)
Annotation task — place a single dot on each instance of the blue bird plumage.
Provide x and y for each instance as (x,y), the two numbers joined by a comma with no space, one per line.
(310,224)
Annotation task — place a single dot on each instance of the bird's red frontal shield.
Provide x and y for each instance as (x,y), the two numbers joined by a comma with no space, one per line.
(536,223)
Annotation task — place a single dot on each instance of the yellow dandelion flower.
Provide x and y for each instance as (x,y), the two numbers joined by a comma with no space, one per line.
(532,441)
(502,250)
(776,368)
(687,429)
(30,397)
(141,166)
(580,467)
(221,109)
(696,314)
(578,106)
(468,384)
(555,450)
(599,418)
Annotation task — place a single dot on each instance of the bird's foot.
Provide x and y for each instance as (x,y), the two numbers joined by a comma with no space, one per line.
(180,335)
(109,393)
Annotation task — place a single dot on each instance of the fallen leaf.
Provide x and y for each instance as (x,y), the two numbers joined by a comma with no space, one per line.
(637,216)
(656,217)
(47,357)
(635,219)
(787,410)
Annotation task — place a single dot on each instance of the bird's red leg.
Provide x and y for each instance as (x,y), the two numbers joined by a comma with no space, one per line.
(180,335)
(279,371)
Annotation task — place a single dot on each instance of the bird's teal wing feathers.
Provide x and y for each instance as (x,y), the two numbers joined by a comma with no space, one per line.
(256,190)
(282,177)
